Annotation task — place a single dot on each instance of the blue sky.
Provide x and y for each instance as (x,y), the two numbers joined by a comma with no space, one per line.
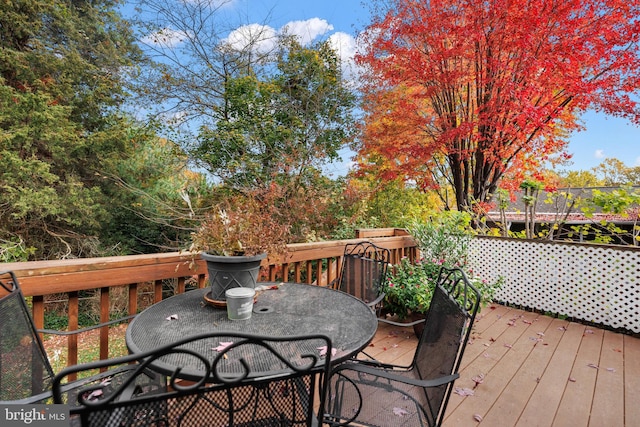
(340,20)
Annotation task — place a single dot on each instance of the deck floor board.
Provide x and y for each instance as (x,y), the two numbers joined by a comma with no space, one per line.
(538,371)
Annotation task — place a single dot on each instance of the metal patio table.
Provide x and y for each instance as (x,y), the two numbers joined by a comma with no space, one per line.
(290,309)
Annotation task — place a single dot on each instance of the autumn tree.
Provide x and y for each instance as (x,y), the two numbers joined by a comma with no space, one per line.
(613,172)
(578,179)
(460,94)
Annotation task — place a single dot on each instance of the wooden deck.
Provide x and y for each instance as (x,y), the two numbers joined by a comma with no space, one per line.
(538,371)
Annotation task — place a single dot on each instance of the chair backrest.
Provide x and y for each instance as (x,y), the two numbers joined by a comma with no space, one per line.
(25,370)
(451,314)
(364,267)
(292,374)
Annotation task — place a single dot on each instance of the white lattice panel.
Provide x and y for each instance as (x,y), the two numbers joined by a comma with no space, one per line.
(598,284)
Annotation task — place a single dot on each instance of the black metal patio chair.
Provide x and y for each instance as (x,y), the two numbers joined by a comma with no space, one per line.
(233,379)
(370,393)
(26,374)
(364,268)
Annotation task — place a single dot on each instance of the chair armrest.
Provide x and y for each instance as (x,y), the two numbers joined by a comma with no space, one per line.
(376,301)
(375,363)
(370,370)
(403,324)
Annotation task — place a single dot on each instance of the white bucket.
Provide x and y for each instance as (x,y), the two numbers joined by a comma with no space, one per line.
(239,303)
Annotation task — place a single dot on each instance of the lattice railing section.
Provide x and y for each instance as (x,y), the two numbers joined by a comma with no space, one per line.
(595,283)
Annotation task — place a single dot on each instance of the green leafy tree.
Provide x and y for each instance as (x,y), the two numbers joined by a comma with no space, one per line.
(280,127)
(156,198)
(614,172)
(61,81)
(579,179)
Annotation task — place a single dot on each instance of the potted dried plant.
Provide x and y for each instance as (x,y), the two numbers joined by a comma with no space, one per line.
(235,237)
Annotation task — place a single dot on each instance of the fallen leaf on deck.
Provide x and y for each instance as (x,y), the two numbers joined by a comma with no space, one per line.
(222,346)
(478,379)
(562,328)
(400,412)
(463,391)
(593,365)
(508,345)
(573,380)
(477,417)
(611,369)
(588,331)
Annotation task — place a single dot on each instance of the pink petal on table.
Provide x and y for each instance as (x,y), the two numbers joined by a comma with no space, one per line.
(95,394)
(323,351)
(222,346)
(172,317)
(399,412)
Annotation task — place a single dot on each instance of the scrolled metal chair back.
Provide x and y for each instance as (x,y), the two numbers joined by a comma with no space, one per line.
(231,379)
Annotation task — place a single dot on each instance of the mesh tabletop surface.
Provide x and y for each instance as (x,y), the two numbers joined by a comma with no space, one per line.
(291,309)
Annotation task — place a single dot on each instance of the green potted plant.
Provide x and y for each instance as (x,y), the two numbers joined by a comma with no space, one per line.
(235,237)
(443,241)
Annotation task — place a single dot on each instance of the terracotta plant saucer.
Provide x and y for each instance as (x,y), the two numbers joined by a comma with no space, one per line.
(214,302)
(221,303)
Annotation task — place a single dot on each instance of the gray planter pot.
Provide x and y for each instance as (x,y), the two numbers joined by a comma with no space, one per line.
(226,272)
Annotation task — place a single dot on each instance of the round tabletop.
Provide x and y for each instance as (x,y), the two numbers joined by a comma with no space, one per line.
(290,309)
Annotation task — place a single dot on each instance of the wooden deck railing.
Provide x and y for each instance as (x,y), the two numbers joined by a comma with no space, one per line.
(145,278)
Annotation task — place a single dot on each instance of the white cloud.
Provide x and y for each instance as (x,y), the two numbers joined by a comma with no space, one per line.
(599,154)
(637,161)
(166,37)
(259,38)
(307,30)
(345,45)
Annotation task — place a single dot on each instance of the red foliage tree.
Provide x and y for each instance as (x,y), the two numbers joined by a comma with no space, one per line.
(468,91)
